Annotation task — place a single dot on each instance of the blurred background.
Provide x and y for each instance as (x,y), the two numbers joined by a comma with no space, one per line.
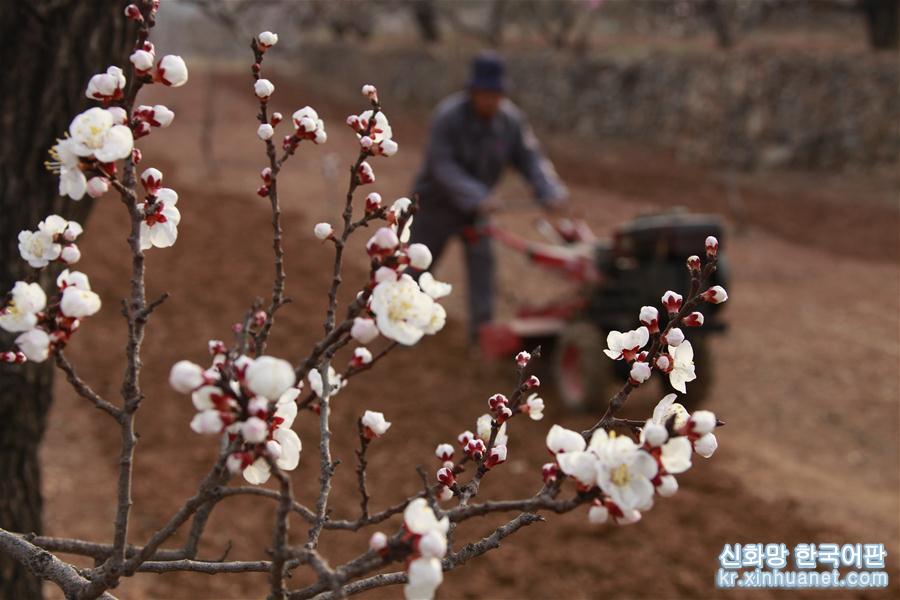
(781,118)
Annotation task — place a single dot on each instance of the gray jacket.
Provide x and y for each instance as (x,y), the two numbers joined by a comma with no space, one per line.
(466,156)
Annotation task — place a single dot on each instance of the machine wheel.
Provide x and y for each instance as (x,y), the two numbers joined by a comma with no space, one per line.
(582,372)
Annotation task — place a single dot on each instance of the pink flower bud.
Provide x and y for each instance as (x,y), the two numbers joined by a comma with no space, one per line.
(496,457)
(496,401)
(373,202)
(364,330)
(598,514)
(254,430)
(695,319)
(265,132)
(134,13)
(365,174)
(323,231)
(383,243)
(475,448)
(172,71)
(548,472)
(522,359)
(444,452)
(674,338)
(672,302)
(266,175)
(263,88)
(532,382)
(276,118)
(664,363)
(445,494)
(464,438)
(266,40)
(446,476)
(712,246)
(370,92)
(152,180)
(70,254)
(419,256)
(693,264)
(141,60)
(262,191)
(649,317)
(97,186)
(703,422)
(378,541)
(640,372)
(715,295)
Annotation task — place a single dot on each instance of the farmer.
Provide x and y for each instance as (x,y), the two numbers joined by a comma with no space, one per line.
(474,135)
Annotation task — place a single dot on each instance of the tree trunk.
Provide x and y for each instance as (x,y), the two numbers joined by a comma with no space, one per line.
(50,48)
(883,21)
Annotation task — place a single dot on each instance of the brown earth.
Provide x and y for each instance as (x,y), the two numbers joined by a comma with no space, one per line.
(806,377)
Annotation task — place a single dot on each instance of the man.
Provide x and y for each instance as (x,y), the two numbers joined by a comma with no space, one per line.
(474,135)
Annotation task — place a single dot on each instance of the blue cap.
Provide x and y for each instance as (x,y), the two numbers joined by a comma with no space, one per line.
(488,73)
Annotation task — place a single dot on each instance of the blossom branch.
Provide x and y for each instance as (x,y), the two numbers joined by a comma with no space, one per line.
(83,389)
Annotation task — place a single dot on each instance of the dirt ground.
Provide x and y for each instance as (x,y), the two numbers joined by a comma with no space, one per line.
(807,376)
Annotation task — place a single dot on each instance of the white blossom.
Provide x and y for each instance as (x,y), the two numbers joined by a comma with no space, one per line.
(419,256)
(420,519)
(77,303)
(667,487)
(434,288)
(676,455)
(106,86)
(534,406)
(269,377)
(287,438)
(336,382)
(38,248)
(683,369)
(715,295)
(624,470)
(172,71)
(433,545)
(207,422)
(625,345)
(34,344)
(374,422)
(77,279)
(402,311)
(483,427)
(20,314)
(706,445)
(560,440)
(425,575)
(65,162)
(666,408)
(257,472)
(160,226)
(95,134)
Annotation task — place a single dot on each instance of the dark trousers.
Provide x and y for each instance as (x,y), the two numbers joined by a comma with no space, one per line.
(435,230)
